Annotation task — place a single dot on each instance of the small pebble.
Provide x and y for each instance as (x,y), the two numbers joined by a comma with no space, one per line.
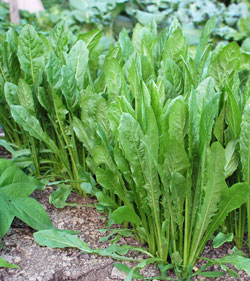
(17,259)
(67,273)
(116,273)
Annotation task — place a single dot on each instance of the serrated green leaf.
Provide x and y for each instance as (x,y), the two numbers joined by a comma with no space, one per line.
(214,189)
(55,238)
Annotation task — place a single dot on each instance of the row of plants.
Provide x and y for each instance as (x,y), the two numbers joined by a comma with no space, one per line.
(112,16)
(232,21)
(160,135)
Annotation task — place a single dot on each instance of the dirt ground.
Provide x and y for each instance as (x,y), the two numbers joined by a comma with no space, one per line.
(45,264)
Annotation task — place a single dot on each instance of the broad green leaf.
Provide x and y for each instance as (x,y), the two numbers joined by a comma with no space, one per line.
(126,45)
(46,46)
(220,125)
(233,115)
(77,60)
(10,174)
(11,65)
(91,38)
(222,238)
(6,217)
(110,181)
(30,124)
(8,146)
(60,109)
(225,63)
(101,156)
(58,198)
(179,189)
(245,143)
(176,47)
(69,88)
(232,158)
(83,134)
(4,263)
(45,100)
(176,159)
(59,37)
(11,93)
(207,120)
(31,212)
(55,238)
(17,189)
(125,214)
(12,38)
(131,141)
(105,200)
(232,198)
(174,75)
(30,54)
(25,96)
(214,189)
(199,98)
(14,184)
(113,76)
(245,155)
(136,37)
(102,119)
(240,262)
(54,70)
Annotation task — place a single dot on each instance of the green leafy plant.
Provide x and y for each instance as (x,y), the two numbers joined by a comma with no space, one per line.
(162,152)
(15,188)
(43,94)
(164,131)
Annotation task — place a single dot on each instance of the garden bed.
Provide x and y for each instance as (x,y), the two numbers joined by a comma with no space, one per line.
(45,264)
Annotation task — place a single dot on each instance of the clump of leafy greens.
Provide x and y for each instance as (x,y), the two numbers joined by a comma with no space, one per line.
(165,134)
(41,86)
(163,129)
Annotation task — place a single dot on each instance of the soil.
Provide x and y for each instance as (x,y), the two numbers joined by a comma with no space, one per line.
(45,264)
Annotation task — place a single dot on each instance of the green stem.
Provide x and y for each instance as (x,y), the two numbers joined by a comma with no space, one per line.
(35,156)
(74,167)
(248,222)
